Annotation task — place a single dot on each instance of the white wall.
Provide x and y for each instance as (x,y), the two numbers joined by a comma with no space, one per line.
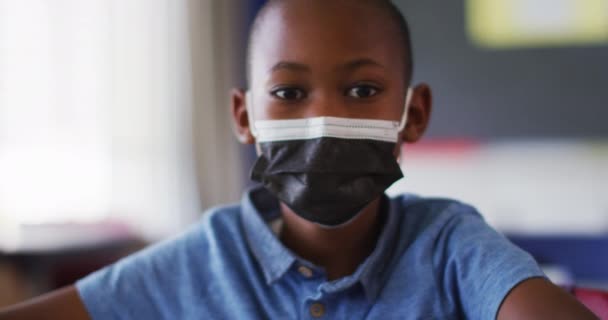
(558,186)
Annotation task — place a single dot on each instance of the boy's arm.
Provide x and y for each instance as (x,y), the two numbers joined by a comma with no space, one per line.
(538,298)
(60,304)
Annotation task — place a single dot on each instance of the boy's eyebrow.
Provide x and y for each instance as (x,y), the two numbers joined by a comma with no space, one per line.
(290,65)
(358,63)
(349,66)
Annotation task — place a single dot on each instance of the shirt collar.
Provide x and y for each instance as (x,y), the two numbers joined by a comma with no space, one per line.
(373,273)
(259,207)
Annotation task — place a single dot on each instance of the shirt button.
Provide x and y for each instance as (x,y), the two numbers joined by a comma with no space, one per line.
(317,310)
(305,271)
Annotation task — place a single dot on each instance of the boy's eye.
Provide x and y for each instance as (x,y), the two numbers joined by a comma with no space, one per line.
(288,93)
(363,91)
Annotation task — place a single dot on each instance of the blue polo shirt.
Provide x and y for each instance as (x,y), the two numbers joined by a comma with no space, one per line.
(434,259)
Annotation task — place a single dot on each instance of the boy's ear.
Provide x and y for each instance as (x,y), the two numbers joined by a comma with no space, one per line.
(419,114)
(238,106)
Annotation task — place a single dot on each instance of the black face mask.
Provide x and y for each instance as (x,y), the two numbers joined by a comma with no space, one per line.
(327,169)
(327,180)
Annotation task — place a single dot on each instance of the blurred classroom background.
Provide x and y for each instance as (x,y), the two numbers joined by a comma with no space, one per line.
(115,129)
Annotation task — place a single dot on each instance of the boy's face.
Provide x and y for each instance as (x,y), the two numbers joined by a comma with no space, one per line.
(328,58)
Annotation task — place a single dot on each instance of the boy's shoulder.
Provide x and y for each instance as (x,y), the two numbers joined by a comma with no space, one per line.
(198,255)
(417,213)
(416,204)
(446,245)
(222,218)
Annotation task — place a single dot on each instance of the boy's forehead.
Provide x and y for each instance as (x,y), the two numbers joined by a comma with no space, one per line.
(324,34)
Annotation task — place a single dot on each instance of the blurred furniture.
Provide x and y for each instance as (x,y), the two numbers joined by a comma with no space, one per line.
(48,257)
(584,257)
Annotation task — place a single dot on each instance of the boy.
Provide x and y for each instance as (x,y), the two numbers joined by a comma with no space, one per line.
(328,107)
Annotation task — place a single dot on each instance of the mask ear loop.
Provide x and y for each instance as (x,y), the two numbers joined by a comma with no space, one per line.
(403,121)
(406,108)
(250,117)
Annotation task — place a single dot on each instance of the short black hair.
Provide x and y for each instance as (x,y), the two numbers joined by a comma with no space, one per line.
(386,5)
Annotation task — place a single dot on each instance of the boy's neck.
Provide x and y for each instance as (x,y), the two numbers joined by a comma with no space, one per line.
(338,250)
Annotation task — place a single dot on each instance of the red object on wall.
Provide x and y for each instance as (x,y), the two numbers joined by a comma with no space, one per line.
(595,300)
